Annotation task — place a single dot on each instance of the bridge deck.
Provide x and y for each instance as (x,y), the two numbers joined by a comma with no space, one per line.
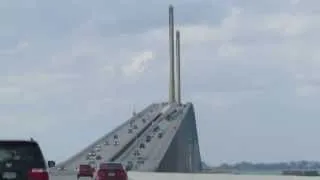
(159,122)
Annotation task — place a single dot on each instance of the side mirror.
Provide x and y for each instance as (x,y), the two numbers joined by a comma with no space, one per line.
(51,164)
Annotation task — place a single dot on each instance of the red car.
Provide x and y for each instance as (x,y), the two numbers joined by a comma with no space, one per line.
(85,170)
(111,171)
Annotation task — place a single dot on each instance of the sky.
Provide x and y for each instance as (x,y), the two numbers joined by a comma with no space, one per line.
(72,70)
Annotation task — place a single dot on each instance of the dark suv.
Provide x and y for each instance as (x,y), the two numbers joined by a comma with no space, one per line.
(22,160)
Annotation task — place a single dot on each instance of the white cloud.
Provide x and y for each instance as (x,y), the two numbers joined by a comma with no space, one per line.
(138,64)
(17,49)
(295,2)
(307,90)
(31,88)
(28,121)
(108,71)
(229,50)
(289,24)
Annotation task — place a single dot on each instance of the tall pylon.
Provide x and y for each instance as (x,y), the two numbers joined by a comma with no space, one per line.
(171,53)
(178,85)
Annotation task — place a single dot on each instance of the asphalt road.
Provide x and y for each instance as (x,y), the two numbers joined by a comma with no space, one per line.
(67,178)
(74,177)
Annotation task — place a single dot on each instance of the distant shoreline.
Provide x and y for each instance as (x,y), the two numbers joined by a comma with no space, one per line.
(266,172)
(265,167)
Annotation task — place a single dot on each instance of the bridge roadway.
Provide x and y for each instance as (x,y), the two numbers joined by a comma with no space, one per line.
(109,150)
(153,152)
(155,149)
(154,120)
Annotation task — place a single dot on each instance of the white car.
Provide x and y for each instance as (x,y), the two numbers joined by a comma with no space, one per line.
(116,142)
(92,154)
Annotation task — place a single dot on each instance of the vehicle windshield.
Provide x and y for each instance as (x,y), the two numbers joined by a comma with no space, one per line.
(23,151)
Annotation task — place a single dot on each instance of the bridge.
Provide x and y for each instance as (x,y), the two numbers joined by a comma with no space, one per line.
(161,138)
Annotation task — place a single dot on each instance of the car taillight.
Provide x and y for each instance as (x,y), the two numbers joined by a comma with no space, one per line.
(38,174)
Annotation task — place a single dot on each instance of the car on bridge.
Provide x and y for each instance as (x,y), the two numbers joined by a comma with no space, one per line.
(157,128)
(85,170)
(97,148)
(92,153)
(111,171)
(129,166)
(115,136)
(140,160)
(131,123)
(106,143)
(148,138)
(98,157)
(160,135)
(23,159)
(142,146)
(116,142)
(136,153)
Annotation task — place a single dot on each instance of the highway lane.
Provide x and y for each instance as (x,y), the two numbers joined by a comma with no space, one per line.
(130,154)
(189,176)
(87,149)
(109,150)
(156,149)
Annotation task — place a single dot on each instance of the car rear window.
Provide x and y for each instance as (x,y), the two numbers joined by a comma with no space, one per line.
(21,151)
(85,167)
(111,166)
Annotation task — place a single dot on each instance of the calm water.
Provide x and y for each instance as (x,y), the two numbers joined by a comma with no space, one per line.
(261,173)
(252,176)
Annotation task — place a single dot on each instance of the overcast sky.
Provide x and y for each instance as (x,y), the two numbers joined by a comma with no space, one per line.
(72,70)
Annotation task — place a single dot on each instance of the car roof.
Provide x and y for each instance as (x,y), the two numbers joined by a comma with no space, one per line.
(82,165)
(111,163)
(17,141)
